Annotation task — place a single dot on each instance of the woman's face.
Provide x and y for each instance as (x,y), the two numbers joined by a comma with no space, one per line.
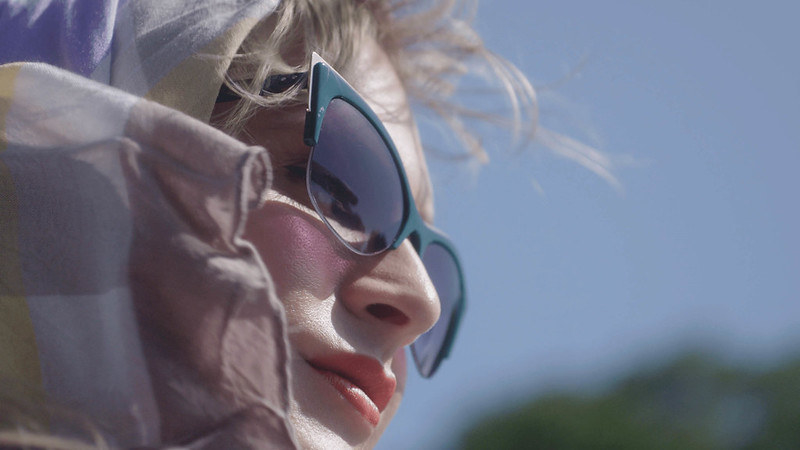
(349,316)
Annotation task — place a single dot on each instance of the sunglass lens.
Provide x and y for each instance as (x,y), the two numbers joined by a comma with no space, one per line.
(429,348)
(354,182)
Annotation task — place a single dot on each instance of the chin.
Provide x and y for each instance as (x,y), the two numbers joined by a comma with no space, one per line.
(323,418)
(313,432)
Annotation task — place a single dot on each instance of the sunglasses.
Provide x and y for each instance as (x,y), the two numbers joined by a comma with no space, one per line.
(358,186)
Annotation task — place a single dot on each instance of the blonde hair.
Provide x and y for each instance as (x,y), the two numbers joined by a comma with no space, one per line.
(430,44)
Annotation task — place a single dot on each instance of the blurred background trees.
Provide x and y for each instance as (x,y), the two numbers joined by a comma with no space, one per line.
(694,402)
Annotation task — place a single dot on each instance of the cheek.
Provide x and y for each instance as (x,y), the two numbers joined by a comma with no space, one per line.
(298,251)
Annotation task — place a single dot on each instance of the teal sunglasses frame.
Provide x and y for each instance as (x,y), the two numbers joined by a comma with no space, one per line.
(325,85)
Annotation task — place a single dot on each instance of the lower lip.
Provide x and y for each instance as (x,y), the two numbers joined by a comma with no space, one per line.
(353,394)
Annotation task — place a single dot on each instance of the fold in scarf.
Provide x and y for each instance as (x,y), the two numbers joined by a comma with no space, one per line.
(121,222)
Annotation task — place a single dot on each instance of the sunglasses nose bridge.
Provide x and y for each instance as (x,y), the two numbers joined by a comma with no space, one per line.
(414,236)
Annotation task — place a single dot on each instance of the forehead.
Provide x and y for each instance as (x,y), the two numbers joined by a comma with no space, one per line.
(374,77)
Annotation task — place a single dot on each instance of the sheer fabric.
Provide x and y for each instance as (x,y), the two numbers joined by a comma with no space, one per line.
(127,294)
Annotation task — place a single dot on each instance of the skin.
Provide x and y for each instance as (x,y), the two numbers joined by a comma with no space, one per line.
(329,293)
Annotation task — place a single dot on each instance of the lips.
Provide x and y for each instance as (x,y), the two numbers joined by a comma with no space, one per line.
(359,379)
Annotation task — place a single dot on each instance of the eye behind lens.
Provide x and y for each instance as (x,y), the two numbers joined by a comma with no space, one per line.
(355,182)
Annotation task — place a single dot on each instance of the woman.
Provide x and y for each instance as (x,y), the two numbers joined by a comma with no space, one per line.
(220,300)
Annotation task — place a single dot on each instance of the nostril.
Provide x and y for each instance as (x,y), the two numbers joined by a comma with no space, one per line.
(387,313)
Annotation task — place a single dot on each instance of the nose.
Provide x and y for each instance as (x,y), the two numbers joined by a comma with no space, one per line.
(392,298)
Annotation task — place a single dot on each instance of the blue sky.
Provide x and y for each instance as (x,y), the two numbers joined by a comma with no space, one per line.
(577,283)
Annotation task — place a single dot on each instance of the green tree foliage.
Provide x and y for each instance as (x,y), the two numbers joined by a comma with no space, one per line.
(695,402)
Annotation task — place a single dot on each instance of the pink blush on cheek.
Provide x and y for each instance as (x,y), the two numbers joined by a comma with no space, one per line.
(299,251)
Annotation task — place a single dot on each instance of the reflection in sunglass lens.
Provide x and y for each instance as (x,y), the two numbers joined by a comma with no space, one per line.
(354,182)
(444,274)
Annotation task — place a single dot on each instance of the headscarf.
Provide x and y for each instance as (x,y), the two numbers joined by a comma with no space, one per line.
(121,215)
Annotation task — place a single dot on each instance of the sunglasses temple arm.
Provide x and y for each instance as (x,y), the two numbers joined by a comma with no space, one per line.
(272,85)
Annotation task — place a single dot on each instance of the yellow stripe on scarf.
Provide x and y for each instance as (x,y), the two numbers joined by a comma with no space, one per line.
(192,86)
(19,357)
(8,75)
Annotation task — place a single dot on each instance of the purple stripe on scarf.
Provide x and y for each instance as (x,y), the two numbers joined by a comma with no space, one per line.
(72,34)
